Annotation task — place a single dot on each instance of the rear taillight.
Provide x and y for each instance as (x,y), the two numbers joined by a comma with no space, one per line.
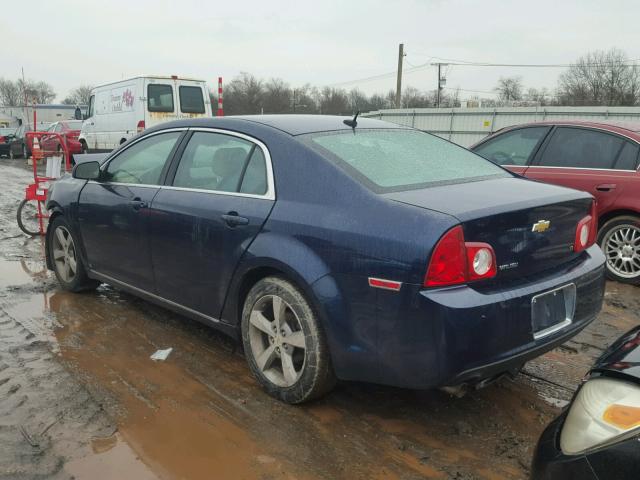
(455,261)
(140,126)
(2,139)
(587,230)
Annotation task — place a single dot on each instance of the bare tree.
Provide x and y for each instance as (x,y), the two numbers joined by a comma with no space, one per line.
(244,95)
(509,89)
(79,95)
(359,101)
(334,101)
(303,99)
(10,93)
(600,78)
(277,96)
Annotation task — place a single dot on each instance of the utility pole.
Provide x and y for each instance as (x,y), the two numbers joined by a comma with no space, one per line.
(441,82)
(399,82)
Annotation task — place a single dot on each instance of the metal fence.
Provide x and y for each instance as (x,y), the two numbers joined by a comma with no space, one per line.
(465,126)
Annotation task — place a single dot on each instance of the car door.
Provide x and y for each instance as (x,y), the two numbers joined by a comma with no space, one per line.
(218,196)
(15,147)
(113,212)
(585,159)
(515,148)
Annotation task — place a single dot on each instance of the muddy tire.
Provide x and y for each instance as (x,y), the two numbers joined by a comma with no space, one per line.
(62,248)
(27,217)
(619,239)
(284,342)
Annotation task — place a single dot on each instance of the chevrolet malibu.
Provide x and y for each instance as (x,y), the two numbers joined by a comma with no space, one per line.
(334,248)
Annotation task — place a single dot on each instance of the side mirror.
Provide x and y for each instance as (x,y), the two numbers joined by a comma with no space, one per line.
(87,171)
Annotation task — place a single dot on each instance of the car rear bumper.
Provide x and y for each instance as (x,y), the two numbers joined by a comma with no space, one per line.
(457,335)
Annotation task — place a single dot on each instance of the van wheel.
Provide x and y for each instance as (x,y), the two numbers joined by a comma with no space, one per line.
(284,342)
(619,239)
(84,146)
(122,140)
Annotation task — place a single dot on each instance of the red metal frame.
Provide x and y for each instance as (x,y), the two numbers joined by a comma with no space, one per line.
(38,189)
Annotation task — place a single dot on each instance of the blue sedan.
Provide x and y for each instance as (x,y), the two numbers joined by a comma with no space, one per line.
(334,248)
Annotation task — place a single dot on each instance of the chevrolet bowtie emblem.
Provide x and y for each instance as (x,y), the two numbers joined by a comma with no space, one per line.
(541,226)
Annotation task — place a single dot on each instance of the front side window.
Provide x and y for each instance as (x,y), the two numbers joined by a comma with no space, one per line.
(191,99)
(514,147)
(142,162)
(581,148)
(160,98)
(218,162)
(396,160)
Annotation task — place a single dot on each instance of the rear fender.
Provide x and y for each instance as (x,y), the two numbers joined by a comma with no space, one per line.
(302,266)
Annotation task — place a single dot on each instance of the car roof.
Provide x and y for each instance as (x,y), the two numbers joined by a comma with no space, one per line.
(291,124)
(628,129)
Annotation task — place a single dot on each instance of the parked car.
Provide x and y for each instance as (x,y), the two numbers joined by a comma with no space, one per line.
(70,129)
(19,146)
(119,110)
(599,158)
(359,251)
(597,435)
(6,135)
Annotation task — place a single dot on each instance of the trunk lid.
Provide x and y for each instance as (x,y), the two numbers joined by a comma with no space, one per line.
(503,213)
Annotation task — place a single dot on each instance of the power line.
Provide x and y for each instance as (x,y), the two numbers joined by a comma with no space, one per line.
(467,63)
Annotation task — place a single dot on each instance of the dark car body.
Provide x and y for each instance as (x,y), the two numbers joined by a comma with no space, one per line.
(19,146)
(331,235)
(69,130)
(617,460)
(6,135)
(596,157)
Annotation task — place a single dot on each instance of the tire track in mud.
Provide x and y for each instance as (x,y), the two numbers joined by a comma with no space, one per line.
(46,416)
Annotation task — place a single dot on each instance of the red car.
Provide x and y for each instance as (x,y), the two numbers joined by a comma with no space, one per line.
(599,158)
(69,129)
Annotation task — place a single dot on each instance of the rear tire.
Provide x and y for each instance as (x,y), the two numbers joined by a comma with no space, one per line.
(284,342)
(62,248)
(619,239)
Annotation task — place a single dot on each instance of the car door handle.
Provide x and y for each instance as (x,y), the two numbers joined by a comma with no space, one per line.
(234,220)
(138,203)
(606,187)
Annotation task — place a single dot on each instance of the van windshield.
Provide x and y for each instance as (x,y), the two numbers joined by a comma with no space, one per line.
(191,100)
(397,160)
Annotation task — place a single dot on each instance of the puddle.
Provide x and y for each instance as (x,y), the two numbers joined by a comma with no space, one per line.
(12,273)
(112,459)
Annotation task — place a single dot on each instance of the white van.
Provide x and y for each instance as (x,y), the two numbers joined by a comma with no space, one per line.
(119,110)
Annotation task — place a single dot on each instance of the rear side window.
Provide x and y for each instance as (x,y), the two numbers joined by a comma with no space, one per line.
(191,99)
(628,158)
(160,98)
(581,148)
(142,162)
(396,160)
(514,147)
(223,163)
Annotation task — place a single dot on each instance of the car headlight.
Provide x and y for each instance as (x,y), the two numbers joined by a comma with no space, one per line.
(604,411)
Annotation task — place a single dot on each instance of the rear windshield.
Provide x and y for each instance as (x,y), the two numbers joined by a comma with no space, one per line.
(396,160)
(73,125)
(191,100)
(160,98)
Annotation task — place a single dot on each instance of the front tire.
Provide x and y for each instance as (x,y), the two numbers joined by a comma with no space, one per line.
(619,239)
(284,342)
(65,258)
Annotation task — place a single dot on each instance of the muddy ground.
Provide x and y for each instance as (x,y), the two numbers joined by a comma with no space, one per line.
(80,398)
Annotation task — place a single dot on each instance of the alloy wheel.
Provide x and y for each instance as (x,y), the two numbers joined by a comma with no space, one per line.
(622,249)
(277,340)
(64,254)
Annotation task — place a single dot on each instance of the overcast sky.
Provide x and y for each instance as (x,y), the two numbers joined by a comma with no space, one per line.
(68,43)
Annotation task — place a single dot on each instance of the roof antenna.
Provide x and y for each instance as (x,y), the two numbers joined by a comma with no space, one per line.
(353,122)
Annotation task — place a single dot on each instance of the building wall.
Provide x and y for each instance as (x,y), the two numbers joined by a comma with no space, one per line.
(466,126)
(44,113)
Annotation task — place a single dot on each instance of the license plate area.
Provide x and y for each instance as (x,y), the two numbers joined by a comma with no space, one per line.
(552,311)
